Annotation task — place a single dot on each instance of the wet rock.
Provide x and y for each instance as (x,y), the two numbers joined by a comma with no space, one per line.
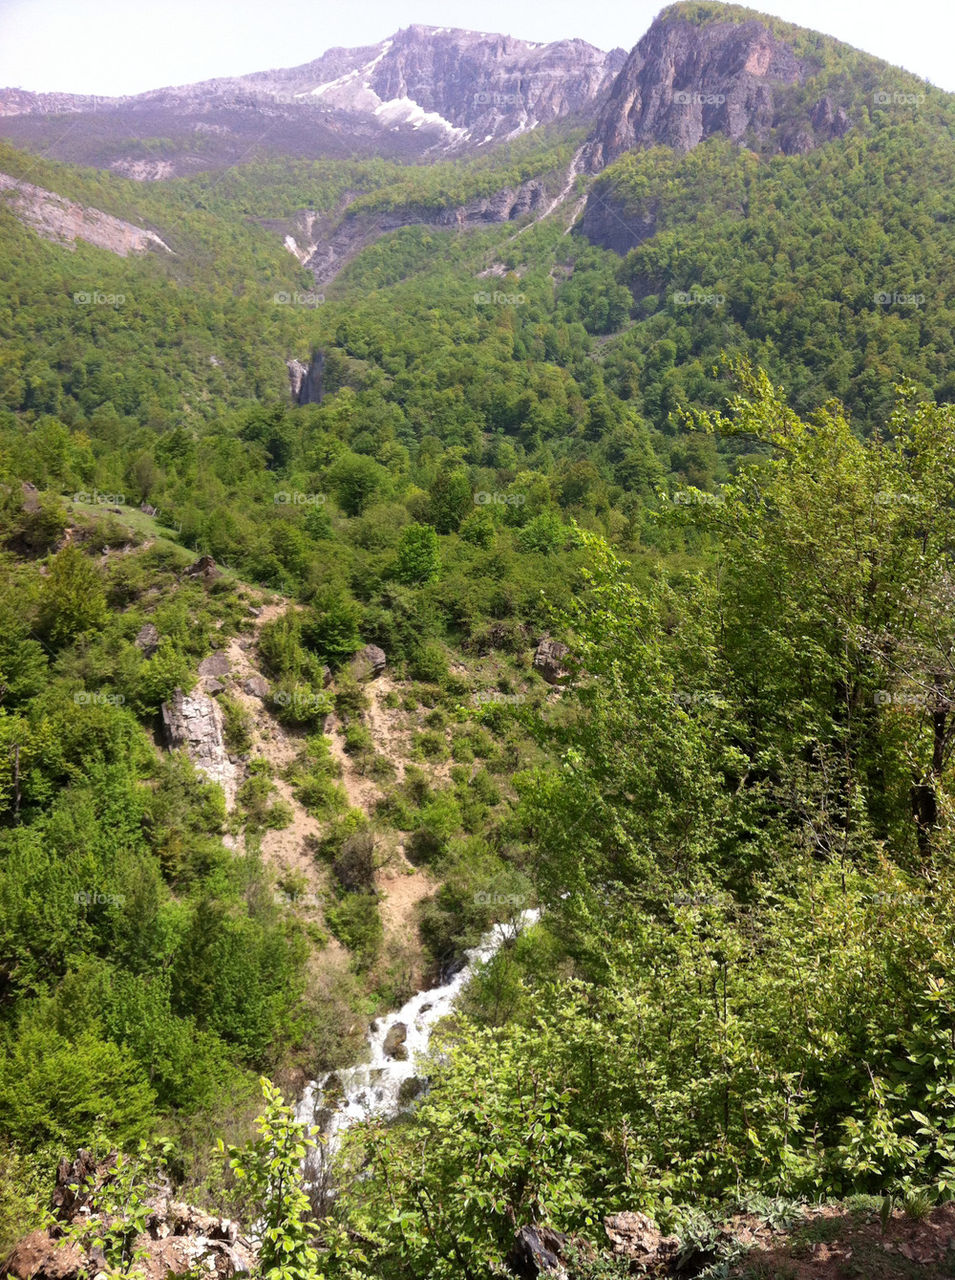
(549,661)
(193,723)
(394,1045)
(369,663)
(409,1090)
(147,639)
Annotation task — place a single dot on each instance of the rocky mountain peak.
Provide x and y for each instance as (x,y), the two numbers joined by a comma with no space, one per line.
(687,79)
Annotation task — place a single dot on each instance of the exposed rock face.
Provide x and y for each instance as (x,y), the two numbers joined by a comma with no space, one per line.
(424,88)
(177,1239)
(336,243)
(549,661)
(369,663)
(296,376)
(147,639)
(476,86)
(613,228)
(55,218)
(684,82)
(193,723)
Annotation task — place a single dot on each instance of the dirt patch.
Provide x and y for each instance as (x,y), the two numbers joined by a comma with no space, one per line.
(842,1244)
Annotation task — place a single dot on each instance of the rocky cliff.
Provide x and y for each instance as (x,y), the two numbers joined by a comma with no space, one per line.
(422,89)
(685,81)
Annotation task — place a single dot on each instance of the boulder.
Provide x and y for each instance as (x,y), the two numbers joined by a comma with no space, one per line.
(147,639)
(211,669)
(549,661)
(205,568)
(178,1239)
(193,723)
(394,1045)
(147,510)
(369,663)
(257,687)
(637,1238)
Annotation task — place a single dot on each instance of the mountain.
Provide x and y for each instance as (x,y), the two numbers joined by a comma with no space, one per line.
(378,565)
(426,90)
(688,79)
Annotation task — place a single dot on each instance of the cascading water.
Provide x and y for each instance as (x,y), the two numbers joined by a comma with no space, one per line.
(374,1088)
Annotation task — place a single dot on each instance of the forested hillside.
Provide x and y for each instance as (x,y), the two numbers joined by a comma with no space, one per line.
(603,587)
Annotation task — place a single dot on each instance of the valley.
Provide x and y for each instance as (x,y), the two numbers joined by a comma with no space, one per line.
(476,663)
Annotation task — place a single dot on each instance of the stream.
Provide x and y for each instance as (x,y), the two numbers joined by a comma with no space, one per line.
(386,1083)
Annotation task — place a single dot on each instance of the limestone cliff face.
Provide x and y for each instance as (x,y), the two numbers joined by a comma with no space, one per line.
(423,89)
(684,82)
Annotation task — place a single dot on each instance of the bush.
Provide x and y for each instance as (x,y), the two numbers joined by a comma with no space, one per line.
(356,923)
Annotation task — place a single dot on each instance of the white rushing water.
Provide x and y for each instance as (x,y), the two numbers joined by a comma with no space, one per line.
(373,1088)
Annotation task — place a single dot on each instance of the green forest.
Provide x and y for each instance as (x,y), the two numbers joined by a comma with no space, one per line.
(717,467)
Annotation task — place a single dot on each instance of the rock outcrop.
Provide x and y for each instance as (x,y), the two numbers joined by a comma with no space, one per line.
(178,1238)
(147,639)
(550,661)
(423,89)
(638,1239)
(193,723)
(369,663)
(55,218)
(686,80)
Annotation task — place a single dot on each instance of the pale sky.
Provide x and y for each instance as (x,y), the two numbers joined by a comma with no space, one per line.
(113,47)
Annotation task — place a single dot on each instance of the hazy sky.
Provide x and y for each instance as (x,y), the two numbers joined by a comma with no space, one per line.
(125,46)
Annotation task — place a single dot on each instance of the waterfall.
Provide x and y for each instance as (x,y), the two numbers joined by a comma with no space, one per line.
(386,1082)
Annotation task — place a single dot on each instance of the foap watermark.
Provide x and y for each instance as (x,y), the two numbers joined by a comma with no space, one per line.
(93,898)
(887,98)
(492,98)
(491,697)
(296,499)
(484,899)
(97,298)
(894,298)
(498,299)
(484,499)
(696,498)
(697,298)
(97,499)
(302,700)
(900,898)
(301,900)
(296,299)
(888,698)
(688,98)
(886,498)
(99,698)
(686,698)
